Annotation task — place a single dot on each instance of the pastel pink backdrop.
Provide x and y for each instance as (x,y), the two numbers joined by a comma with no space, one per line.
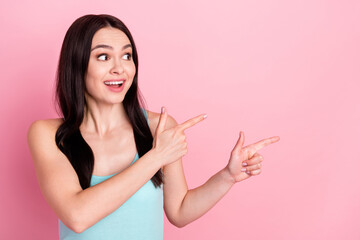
(268,68)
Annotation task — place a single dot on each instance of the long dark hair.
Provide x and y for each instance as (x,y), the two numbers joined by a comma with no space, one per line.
(70,96)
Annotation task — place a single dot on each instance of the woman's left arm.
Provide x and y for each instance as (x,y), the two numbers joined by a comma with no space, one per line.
(183,206)
(244,163)
(198,201)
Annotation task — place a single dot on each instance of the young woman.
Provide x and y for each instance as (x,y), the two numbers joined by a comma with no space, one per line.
(109,167)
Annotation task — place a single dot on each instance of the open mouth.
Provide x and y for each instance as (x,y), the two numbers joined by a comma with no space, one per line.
(114,83)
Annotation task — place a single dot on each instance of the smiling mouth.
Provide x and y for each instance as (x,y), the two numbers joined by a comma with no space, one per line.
(114,83)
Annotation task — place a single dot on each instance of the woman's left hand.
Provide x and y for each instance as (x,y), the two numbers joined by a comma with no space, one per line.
(245,161)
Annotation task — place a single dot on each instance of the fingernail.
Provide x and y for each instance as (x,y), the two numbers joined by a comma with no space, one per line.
(244,164)
(205,116)
(162,110)
(243,169)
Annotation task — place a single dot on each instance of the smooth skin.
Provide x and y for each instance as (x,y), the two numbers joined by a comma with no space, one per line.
(196,202)
(107,130)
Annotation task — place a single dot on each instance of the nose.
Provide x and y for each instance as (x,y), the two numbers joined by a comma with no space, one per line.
(117,67)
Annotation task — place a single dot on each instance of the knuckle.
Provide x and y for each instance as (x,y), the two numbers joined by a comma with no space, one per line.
(176,128)
(183,137)
(258,171)
(175,133)
(248,153)
(252,150)
(244,153)
(250,162)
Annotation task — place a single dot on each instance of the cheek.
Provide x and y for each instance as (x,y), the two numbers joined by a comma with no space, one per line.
(95,71)
(92,77)
(131,69)
(89,84)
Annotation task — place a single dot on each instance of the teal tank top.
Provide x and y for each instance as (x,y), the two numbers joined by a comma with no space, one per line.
(140,217)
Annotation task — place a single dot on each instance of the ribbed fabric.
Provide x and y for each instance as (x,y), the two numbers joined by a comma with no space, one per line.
(140,217)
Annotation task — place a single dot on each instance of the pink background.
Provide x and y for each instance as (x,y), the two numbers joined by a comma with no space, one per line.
(268,68)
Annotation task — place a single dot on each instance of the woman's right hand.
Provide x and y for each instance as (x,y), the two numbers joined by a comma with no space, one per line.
(170,144)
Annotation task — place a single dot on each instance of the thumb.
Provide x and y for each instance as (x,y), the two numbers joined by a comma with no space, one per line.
(240,142)
(162,121)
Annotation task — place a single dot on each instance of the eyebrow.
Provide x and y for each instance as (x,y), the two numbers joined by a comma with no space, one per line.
(110,47)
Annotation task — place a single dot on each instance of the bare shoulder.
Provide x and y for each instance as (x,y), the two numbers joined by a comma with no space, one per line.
(52,168)
(42,132)
(154,118)
(47,125)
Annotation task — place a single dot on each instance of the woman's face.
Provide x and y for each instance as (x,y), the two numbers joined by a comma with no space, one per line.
(111,68)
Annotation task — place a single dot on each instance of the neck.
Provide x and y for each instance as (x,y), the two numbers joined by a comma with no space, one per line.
(101,119)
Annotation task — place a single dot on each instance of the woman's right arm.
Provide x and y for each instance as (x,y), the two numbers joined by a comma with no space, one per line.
(79,209)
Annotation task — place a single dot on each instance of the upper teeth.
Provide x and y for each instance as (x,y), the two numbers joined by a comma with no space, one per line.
(114,83)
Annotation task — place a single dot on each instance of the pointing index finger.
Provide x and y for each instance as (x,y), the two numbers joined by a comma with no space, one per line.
(191,122)
(262,143)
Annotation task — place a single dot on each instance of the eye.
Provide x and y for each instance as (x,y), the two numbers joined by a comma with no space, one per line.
(102,56)
(128,55)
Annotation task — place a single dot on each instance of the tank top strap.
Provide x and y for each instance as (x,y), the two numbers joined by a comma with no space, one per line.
(144,111)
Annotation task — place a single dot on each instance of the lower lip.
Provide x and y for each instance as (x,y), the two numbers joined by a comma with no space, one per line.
(116,89)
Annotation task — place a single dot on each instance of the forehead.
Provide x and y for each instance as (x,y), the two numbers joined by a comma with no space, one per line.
(111,36)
